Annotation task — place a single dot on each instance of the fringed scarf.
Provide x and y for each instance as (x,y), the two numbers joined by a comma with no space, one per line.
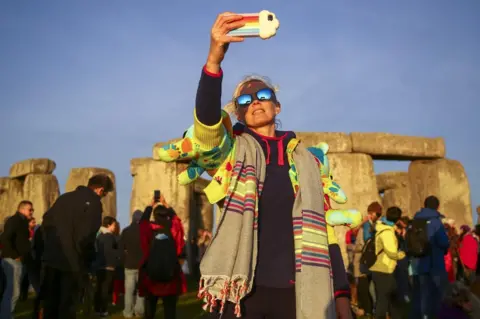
(228,266)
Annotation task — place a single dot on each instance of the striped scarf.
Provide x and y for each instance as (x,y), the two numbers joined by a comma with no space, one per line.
(228,266)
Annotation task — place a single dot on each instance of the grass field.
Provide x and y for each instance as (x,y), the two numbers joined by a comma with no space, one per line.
(189,307)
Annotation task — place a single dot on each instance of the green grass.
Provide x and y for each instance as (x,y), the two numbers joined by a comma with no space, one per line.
(189,307)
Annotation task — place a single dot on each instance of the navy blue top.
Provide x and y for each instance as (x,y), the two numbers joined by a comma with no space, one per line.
(276,253)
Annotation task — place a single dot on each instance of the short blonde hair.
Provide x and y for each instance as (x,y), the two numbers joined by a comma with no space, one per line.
(231,107)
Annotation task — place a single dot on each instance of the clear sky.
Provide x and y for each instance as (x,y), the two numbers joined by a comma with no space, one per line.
(96,83)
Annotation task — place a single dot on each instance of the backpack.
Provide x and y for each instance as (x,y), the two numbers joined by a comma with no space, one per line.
(162,262)
(418,244)
(369,255)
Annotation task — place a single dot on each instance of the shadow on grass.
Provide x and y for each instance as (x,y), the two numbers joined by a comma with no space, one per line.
(189,307)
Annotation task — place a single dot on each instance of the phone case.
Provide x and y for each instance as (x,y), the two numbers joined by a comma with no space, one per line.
(263,24)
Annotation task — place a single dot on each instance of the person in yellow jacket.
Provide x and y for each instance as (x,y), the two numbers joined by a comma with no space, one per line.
(386,249)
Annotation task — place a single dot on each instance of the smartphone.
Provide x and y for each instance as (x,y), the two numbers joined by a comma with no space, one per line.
(156,195)
(263,24)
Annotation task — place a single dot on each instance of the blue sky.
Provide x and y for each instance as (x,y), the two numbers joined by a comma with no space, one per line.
(96,83)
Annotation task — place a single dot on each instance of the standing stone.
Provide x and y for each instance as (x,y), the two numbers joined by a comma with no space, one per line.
(42,190)
(80,177)
(354,173)
(445,179)
(337,142)
(203,205)
(391,180)
(32,166)
(393,146)
(11,194)
(206,212)
(399,197)
(149,175)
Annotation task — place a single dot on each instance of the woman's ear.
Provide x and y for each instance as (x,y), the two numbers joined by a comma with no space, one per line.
(278,108)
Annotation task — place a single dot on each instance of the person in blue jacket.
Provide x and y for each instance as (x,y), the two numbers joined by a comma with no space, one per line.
(431,271)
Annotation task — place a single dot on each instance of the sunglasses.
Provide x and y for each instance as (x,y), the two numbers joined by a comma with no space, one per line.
(245,100)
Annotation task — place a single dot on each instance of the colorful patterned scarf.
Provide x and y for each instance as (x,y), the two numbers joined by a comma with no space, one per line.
(228,266)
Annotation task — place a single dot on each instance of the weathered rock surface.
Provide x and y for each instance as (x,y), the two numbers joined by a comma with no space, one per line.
(391,180)
(337,142)
(392,146)
(149,175)
(354,173)
(445,179)
(399,197)
(200,184)
(80,177)
(42,190)
(204,212)
(32,166)
(11,194)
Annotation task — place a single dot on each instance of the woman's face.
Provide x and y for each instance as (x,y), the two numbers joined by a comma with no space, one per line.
(263,108)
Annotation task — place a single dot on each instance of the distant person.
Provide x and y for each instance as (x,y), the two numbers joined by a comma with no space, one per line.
(477,232)
(365,289)
(27,264)
(430,267)
(16,248)
(161,276)
(107,260)
(119,278)
(35,271)
(132,250)
(401,271)
(468,255)
(386,249)
(70,229)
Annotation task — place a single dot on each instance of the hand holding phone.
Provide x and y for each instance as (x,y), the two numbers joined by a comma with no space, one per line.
(263,24)
(156,196)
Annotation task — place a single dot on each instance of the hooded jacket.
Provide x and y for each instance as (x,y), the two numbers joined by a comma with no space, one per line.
(130,243)
(434,262)
(108,252)
(386,248)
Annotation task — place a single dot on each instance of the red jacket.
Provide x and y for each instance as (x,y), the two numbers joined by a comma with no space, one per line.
(177,286)
(468,251)
(449,266)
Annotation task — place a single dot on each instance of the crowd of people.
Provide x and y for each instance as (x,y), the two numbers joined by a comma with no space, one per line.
(76,256)
(423,267)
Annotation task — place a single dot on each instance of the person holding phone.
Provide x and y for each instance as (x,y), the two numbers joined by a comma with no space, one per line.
(256,265)
(165,223)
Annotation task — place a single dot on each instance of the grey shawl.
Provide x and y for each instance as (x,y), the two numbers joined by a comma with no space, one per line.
(228,266)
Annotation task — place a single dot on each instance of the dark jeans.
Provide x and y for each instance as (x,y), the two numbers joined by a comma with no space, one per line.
(364,298)
(432,288)
(103,293)
(388,299)
(169,306)
(60,290)
(263,302)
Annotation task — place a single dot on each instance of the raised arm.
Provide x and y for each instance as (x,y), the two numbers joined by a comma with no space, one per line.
(208,119)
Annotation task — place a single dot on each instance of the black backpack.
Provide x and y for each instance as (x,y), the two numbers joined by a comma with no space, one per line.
(162,262)
(369,256)
(418,244)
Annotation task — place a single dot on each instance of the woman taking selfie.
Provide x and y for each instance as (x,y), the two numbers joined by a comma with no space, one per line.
(270,257)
